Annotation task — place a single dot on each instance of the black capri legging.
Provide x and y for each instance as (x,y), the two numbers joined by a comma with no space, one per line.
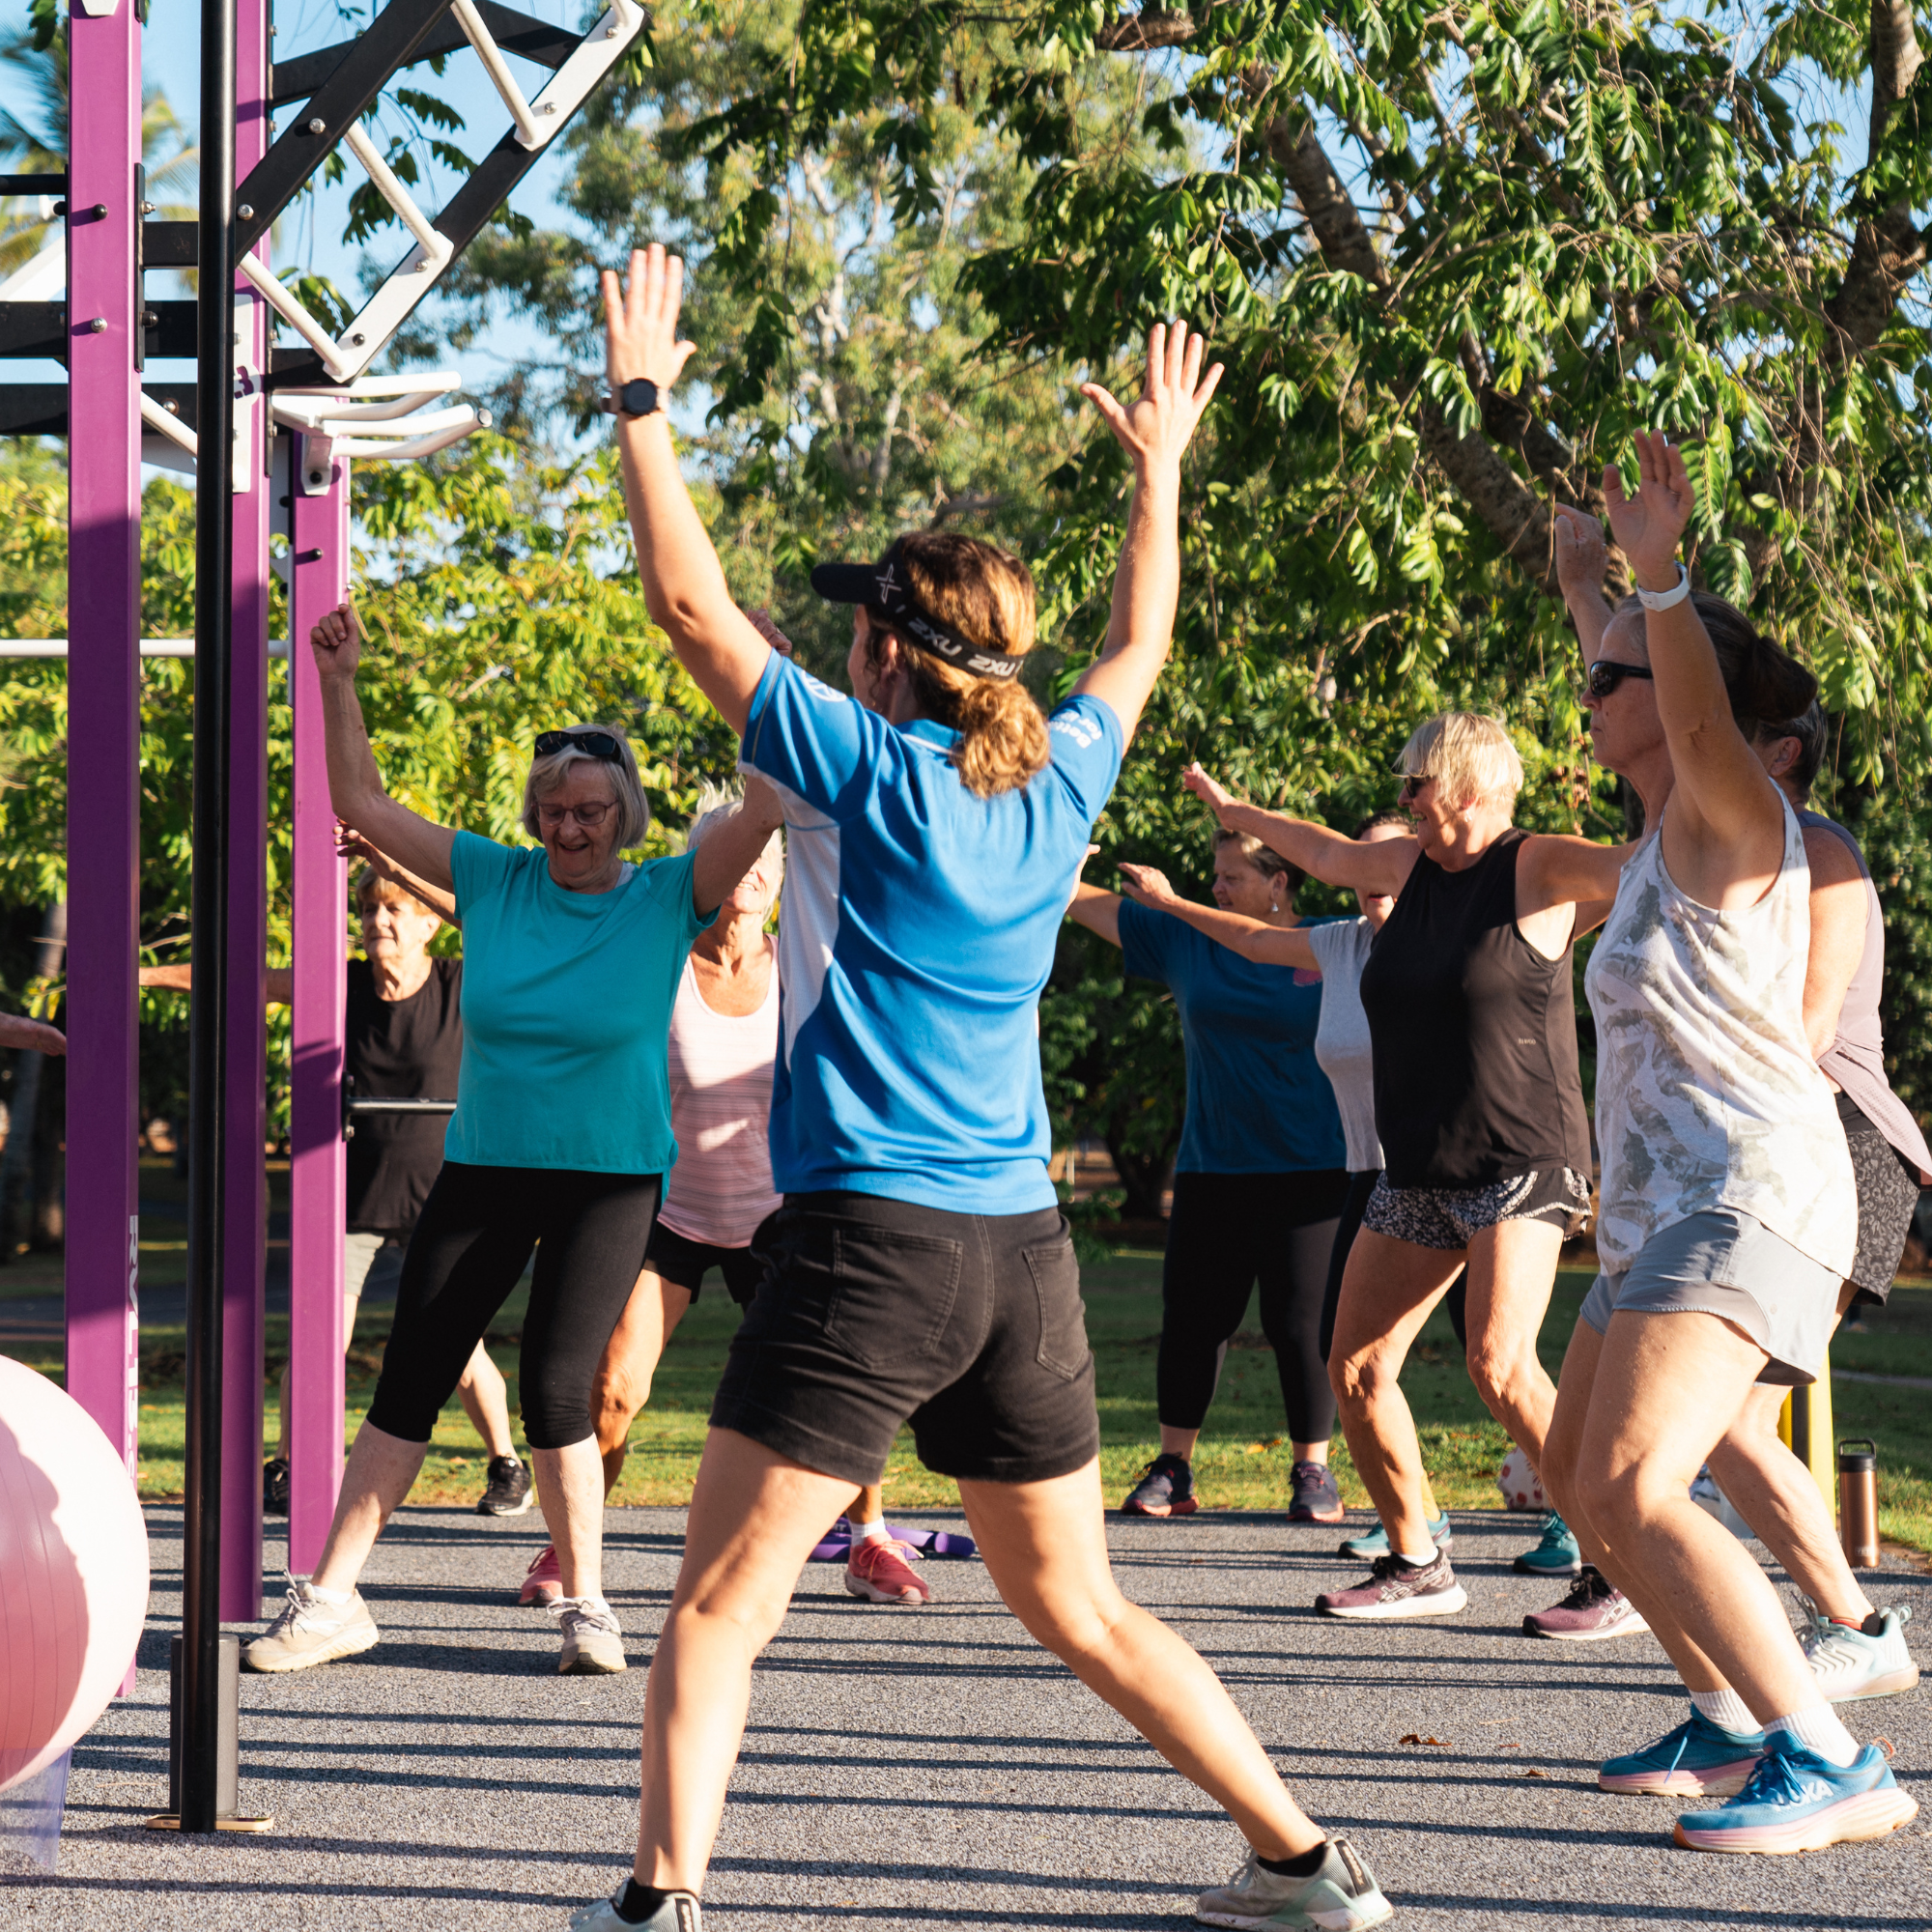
(1226,1231)
(470,1248)
(1354,1205)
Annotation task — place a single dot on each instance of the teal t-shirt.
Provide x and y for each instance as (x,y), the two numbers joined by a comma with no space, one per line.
(566,1013)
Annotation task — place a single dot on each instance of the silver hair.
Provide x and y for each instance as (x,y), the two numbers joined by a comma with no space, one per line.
(715,803)
(634,808)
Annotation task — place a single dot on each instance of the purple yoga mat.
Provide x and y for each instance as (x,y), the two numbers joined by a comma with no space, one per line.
(837,1545)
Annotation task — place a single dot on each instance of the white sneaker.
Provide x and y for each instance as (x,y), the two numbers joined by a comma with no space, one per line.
(1848,1664)
(311,1632)
(678,1913)
(593,1640)
(1342,1895)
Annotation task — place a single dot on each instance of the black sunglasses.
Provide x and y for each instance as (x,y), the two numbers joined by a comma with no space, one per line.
(1607,673)
(599,744)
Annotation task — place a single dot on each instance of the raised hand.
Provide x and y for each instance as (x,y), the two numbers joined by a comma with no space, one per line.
(1145,886)
(1649,526)
(1215,796)
(763,623)
(337,641)
(1581,555)
(1158,426)
(354,846)
(641,320)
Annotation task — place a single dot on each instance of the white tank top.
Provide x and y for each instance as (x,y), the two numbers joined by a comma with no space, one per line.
(720,1188)
(1707,1095)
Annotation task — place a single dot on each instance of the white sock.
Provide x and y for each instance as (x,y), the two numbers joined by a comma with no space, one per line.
(333,1598)
(1725,1709)
(867,1532)
(1419,1562)
(1818,1729)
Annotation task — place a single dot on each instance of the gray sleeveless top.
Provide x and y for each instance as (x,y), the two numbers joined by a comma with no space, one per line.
(1855,1058)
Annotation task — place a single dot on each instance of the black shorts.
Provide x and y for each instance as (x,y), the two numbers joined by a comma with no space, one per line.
(873,1312)
(1888,1189)
(684,1263)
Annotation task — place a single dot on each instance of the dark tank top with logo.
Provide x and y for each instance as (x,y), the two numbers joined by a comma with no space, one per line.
(1474,1034)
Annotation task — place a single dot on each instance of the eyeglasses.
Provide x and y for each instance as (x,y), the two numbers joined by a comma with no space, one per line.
(1607,673)
(1412,784)
(599,744)
(589,817)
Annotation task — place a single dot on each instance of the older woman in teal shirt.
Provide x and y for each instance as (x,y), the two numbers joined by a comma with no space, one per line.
(558,1145)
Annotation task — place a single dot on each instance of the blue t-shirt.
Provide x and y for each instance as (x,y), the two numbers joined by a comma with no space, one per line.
(918,928)
(1257,1101)
(566,1012)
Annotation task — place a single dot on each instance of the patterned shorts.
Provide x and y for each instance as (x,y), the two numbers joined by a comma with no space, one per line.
(1888,1185)
(1452,1217)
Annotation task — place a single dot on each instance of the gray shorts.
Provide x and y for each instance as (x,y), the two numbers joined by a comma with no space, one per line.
(1726,1263)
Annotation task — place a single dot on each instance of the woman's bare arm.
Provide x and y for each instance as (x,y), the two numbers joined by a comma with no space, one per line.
(1097,910)
(1380,867)
(351,845)
(1839,914)
(726,855)
(1252,938)
(279,983)
(17,1030)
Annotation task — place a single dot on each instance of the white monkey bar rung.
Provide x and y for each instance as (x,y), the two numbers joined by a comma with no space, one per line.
(530,133)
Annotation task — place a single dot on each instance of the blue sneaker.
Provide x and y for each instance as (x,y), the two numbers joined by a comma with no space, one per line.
(1164,1487)
(1376,1542)
(1698,1759)
(1798,1802)
(1555,1555)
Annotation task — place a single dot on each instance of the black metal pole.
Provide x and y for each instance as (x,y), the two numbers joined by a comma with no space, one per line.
(213,627)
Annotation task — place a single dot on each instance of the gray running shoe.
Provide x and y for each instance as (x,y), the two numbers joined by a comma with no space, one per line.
(309,1631)
(679,1913)
(593,1640)
(1594,1609)
(1854,1664)
(1342,1895)
(1398,1589)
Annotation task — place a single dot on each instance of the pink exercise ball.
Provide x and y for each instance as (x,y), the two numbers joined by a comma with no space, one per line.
(74,1572)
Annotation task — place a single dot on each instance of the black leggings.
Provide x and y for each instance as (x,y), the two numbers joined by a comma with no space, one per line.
(1353,1207)
(469,1251)
(1226,1231)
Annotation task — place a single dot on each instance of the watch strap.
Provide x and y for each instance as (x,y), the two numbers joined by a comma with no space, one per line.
(1663,600)
(639,397)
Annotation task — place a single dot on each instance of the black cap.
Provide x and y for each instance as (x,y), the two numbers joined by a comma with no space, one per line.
(882,589)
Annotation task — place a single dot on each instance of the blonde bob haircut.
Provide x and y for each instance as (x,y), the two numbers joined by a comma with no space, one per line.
(627,788)
(1469,756)
(716,806)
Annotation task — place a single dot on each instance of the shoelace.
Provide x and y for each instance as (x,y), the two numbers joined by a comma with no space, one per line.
(1773,1781)
(590,1613)
(296,1611)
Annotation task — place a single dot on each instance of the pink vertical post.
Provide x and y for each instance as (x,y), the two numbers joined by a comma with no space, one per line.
(104,842)
(318,1180)
(246,1183)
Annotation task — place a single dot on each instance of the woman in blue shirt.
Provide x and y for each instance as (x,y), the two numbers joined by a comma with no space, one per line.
(1260,1179)
(558,1145)
(919,1269)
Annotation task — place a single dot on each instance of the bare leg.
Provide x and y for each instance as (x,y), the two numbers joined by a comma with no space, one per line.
(570,1486)
(349,1306)
(486,1402)
(1387,1293)
(1178,1441)
(624,1381)
(1708,1601)
(1511,1270)
(869,1505)
(381,1467)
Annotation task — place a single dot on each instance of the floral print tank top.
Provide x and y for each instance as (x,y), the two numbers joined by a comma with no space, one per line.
(1707,1095)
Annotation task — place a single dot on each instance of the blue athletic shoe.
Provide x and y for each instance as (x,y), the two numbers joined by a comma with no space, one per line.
(1376,1542)
(1798,1802)
(1555,1555)
(1698,1759)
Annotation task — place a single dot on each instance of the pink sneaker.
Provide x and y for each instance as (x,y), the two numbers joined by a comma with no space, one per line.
(543,1582)
(882,1572)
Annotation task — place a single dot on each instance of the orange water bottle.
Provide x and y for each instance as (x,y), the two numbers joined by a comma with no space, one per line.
(1858,1501)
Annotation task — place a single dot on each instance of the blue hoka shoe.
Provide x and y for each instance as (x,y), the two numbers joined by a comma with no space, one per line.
(1376,1542)
(1795,1801)
(1555,1555)
(1698,1759)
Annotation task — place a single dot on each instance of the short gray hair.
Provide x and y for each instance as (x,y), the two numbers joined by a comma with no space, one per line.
(715,803)
(547,773)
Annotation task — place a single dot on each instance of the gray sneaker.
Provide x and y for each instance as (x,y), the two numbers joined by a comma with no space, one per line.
(1854,1664)
(1397,1589)
(309,1631)
(679,1913)
(1342,1895)
(593,1640)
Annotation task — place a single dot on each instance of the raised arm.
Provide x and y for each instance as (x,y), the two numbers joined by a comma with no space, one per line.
(1097,910)
(1723,829)
(1154,432)
(17,1030)
(355,784)
(351,845)
(684,583)
(1380,867)
(1580,559)
(1252,938)
(279,983)
(1839,913)
(726,854)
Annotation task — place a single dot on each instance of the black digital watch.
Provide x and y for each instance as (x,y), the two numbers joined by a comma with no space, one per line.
(639,397)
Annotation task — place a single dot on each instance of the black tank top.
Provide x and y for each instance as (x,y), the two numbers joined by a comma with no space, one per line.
(400,1049)
(1474,1034)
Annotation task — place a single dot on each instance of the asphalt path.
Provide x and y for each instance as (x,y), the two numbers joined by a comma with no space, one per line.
(934,1766)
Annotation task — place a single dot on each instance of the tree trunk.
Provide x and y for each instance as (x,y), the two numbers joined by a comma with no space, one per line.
(1144,1177)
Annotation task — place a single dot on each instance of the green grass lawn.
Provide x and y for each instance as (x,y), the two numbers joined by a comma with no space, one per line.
(1242,1462)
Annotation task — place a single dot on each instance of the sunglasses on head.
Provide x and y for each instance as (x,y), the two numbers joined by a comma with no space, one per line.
(1607,673)
(598,744)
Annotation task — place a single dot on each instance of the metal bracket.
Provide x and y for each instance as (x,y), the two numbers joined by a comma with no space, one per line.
(374,416)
